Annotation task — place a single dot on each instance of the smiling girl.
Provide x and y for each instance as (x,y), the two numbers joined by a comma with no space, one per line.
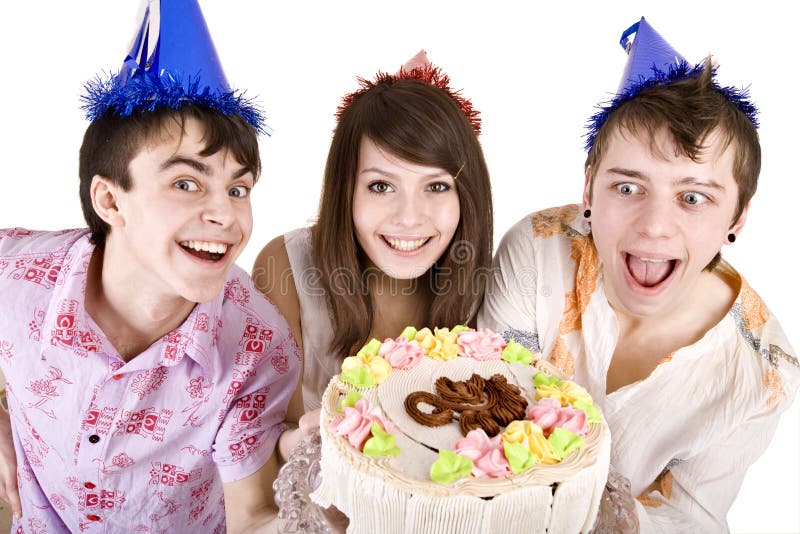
(404,233)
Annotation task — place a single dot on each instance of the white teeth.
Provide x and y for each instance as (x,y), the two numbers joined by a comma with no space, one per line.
(653,260)
(404,245)
(207,246)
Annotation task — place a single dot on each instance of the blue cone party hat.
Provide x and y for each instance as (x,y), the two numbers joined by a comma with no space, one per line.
(653,62)
(172,61)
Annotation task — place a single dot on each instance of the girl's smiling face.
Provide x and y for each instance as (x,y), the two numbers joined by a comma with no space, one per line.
(404,214)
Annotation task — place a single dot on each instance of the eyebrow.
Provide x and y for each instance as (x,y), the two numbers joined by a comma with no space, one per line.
(377,170)
(689,180)
(174,161)
(199,166)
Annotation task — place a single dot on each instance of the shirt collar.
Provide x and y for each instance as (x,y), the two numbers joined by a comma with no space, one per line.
(65,323)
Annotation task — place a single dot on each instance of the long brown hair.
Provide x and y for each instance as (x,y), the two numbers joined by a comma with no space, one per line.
(419,123)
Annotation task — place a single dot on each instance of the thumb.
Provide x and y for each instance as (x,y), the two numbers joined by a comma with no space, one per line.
(309,421)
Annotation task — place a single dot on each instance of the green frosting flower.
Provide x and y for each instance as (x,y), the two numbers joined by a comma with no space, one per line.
(460,328)
(370,349)
(592,413)
(519,457)
(564,442)
(516,353)
(381,443)
(358,377)
(350,400)
(409,333)
(450,467)
(541,379)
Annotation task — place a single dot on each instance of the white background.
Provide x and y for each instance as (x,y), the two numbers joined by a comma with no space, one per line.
(534,71)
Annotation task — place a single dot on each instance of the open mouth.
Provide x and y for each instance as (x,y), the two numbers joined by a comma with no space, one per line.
(649,272)
(205,250)
(405,245)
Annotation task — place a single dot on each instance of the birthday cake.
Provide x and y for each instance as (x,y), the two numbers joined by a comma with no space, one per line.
(459,431)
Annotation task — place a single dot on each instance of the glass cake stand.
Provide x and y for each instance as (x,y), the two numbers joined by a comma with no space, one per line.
(298,477)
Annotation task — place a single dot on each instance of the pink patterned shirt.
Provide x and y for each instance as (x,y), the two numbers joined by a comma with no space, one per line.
(143,446)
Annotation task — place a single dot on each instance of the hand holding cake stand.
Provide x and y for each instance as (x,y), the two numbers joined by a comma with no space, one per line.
(298,477)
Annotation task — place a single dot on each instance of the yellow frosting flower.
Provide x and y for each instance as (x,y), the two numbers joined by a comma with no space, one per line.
(567,393)
(440,344)
(530,435)
(376,366)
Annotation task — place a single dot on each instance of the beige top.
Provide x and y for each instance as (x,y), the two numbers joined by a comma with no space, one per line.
(316,324)
(703,415)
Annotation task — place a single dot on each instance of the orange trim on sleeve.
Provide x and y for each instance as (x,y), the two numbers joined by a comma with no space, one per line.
(663,485)
(553,221)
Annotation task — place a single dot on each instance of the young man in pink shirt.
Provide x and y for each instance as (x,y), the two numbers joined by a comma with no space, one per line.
(147,379)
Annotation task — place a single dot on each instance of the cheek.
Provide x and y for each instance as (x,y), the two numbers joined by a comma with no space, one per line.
(363,219)
(246,222)
(447,217)
(705,244)
(606,236)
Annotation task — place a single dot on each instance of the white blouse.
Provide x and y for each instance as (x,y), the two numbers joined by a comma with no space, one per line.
(704,414)
(316,322)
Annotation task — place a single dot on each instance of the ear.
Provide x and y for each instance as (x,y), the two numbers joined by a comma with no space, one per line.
(105,197)
(587,196)
(736,228)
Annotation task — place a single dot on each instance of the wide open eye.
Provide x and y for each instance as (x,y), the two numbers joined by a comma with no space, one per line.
(627,188)
(186,185)
(239,191)
(693,198)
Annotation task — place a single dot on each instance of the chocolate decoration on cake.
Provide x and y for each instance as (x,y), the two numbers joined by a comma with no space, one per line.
(481,403)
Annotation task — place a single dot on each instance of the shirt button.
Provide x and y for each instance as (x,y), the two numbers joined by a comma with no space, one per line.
(92,517)
(117,377)
(88,485)
(94,438)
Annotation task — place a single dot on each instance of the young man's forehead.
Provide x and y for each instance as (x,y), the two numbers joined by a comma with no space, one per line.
(662,144)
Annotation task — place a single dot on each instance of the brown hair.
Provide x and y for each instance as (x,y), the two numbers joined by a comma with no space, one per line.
(419,123)
(111,142)
(690,110)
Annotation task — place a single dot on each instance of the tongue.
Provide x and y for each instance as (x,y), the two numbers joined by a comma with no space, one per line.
(203,254)
(648,273)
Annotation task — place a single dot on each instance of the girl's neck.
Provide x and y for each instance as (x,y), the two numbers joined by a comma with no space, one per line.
(397,304)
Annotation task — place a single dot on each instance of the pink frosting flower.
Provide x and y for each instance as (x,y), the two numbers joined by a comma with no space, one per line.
(357,423)
(548,414)
(481,344)
(488,458)
(401,353)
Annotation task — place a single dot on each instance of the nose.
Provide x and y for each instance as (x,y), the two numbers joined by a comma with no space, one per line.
(218,209)
(656,219)
(409,210)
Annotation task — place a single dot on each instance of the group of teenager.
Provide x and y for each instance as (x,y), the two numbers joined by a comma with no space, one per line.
(152,385)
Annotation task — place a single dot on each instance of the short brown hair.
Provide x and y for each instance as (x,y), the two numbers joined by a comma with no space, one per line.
(111,142)
(420,123)
(690,110)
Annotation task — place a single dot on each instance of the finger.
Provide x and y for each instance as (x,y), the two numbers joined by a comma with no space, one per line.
(287,442)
